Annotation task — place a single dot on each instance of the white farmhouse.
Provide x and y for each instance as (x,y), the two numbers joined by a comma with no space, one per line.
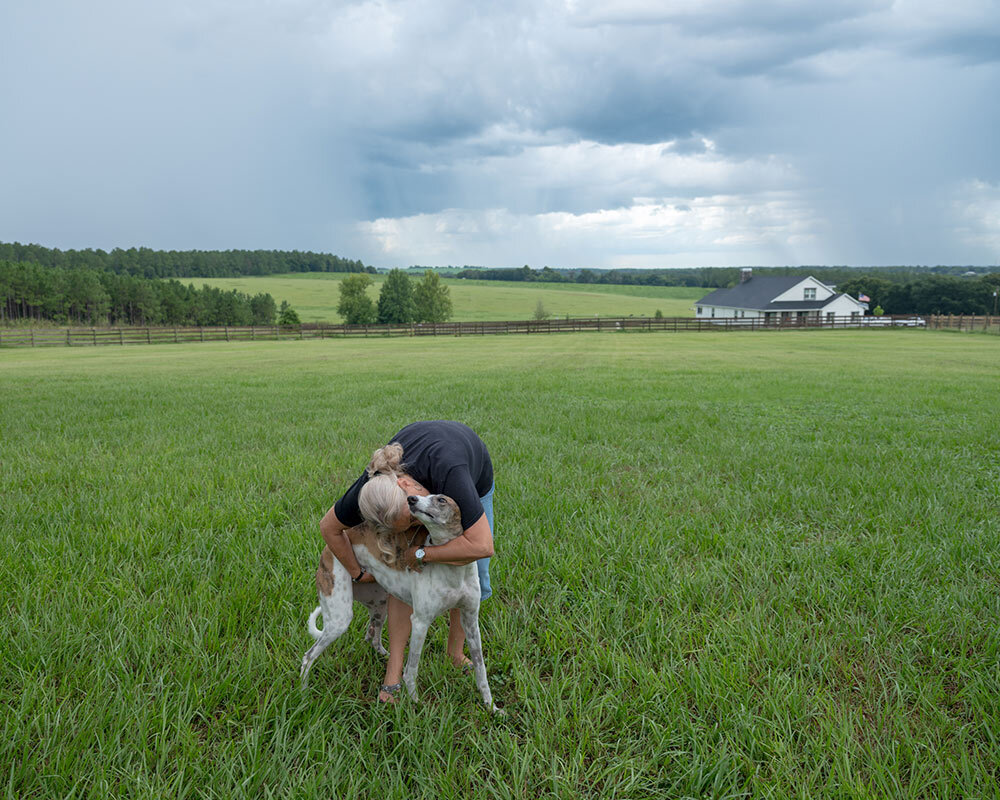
(782,297)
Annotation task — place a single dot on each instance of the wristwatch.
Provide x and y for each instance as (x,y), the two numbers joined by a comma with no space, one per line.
(419,555)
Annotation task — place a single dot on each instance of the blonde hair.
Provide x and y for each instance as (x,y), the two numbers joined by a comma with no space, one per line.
(381,500)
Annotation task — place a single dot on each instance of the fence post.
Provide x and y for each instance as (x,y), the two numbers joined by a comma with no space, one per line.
(227,333)
(253,333)
(68,342)
(147,335)
(175,334)
(93,332)
(300,331)
(121,337)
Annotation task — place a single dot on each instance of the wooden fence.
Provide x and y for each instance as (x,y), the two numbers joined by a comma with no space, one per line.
(47,337)
(964,323)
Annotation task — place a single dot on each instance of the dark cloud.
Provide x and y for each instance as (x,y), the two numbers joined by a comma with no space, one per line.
(201,124)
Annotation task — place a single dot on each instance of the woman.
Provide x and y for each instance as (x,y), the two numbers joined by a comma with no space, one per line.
(446,458)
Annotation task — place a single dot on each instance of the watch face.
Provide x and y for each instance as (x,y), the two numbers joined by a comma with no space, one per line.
(420,553)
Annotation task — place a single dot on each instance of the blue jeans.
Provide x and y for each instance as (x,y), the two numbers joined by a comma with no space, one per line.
(483,564)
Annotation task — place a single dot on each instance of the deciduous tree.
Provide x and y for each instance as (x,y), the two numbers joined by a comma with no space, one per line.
(431,299)
(287,315)
(395,301)
(355,306)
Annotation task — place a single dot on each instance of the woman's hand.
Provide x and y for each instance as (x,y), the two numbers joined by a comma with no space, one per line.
(410,486)
(366,578)
(410,560)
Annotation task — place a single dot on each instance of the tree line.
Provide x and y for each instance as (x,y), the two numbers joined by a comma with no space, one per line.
(935,294)
(148,263)
(31,291)
(709,277)
(399,301)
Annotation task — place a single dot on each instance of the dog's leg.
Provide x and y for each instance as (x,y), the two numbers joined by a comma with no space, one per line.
(376,622)
(470,624)
(337,604)
(375,599)
(418,633)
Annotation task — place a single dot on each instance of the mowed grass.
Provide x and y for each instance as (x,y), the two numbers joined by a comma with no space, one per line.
(727,565)
(315,296)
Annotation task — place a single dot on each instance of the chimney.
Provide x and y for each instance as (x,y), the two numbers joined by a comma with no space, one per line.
(746,273)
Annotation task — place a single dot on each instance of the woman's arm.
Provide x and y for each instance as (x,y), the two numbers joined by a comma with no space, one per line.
(332,530)
(476,542)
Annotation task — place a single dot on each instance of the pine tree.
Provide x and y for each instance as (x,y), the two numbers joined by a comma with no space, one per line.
(431,299)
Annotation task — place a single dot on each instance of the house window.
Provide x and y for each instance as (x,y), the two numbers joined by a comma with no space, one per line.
(699,309)
(810,292)
(713,311)
(829,316)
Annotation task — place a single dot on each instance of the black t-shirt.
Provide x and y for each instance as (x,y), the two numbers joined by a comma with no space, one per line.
(446,457)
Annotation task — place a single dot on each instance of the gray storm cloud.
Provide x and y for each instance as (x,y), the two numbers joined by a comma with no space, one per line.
(560,133)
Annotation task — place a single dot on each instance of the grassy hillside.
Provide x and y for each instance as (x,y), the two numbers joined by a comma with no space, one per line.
(727,565)
(315,296)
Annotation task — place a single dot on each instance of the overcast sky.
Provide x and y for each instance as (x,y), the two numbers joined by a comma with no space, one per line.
(574,133)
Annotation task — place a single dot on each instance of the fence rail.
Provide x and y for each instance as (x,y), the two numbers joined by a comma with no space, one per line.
(49,337)
(964,323)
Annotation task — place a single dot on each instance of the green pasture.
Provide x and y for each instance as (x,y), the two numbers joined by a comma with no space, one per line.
(728,565)
(314,295)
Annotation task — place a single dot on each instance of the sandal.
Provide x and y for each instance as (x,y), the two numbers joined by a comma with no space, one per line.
(392,691)
(466,666)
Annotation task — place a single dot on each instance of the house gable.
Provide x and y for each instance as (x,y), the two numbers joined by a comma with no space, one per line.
(807,289)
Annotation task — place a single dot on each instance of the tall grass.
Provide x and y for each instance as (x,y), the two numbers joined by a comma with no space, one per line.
(727,566)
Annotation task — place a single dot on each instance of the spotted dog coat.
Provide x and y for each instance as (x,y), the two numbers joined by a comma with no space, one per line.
(431,592)
(337,592)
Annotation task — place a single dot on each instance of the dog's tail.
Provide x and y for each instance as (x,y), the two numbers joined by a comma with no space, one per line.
(313,630)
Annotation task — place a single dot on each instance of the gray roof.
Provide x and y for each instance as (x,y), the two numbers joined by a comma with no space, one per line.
(756,293)
(759,293)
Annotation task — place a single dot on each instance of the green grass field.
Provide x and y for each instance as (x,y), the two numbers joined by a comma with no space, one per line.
(727,565)
(315,296)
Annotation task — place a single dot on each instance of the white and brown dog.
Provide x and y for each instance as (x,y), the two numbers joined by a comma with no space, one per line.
(431,592)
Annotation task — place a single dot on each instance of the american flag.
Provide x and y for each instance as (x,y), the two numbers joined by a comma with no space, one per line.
(864,298)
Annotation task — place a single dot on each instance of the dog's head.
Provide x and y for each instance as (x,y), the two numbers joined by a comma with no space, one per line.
(440,515)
